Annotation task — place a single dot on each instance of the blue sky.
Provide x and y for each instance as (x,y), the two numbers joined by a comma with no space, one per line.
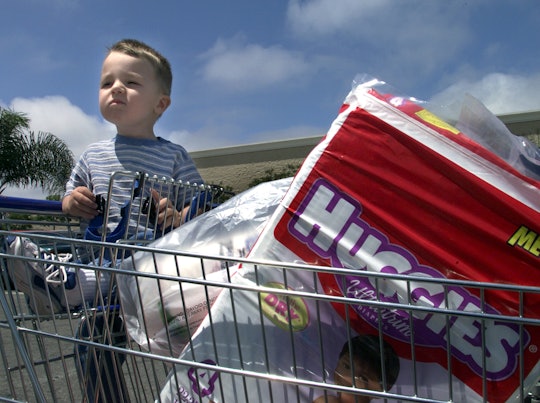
(250,71)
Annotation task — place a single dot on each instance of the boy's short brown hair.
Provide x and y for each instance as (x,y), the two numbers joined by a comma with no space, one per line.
(162,67)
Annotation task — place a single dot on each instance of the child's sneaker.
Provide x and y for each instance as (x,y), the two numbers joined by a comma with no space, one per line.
(50,288)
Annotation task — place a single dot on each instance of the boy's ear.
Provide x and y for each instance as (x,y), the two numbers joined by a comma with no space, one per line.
(163,104)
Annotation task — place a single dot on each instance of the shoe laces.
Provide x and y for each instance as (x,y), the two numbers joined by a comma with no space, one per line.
(56,274)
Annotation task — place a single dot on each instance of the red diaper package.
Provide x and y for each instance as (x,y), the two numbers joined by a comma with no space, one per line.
(429,240)
(394,189)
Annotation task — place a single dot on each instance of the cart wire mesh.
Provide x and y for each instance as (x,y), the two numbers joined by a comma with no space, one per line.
(42,334)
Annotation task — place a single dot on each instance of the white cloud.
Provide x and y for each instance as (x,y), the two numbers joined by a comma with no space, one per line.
(411,35)
(324,17)
(188,140)
(500,93)
(57,115)
(233,64)
(381,19)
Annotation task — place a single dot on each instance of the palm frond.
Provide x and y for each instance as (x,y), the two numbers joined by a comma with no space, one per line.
(27,159)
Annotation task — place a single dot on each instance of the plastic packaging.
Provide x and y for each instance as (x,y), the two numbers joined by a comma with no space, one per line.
(485,128)
(168,312)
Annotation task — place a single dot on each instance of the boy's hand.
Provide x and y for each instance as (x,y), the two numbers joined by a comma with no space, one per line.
(167,215)
(80,203)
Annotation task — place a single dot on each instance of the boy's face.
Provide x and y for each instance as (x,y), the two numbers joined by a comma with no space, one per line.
(364,378)
(130,96)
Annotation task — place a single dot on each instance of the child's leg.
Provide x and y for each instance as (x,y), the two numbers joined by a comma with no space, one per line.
(100,371)
(86,283)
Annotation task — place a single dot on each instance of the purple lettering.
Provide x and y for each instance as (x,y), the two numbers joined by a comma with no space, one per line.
(330,224)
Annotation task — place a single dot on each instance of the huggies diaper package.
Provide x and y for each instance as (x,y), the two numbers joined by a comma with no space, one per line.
(417,215)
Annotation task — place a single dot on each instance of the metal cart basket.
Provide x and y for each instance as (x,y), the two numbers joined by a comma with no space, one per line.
(41,343)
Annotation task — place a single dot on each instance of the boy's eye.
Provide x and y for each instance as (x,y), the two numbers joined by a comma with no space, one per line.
(105,84)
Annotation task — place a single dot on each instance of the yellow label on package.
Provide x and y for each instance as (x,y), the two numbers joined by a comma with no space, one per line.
(429,117)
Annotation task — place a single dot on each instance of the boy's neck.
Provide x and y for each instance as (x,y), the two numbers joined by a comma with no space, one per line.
(140,136)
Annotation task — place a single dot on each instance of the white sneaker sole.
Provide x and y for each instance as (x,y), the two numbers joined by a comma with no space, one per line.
(24,276)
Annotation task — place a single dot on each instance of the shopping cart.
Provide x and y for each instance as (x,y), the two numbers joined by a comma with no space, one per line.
(40,335)
(254,344)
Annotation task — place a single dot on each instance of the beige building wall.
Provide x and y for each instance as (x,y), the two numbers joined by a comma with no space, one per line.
(239,176)
(236,167)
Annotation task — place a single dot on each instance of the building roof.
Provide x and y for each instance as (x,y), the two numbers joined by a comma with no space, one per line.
(521,124)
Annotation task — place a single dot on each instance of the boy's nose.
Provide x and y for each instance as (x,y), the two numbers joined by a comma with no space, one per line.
(117,87)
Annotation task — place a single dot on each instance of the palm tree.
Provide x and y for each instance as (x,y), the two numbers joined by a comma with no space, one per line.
(27,159)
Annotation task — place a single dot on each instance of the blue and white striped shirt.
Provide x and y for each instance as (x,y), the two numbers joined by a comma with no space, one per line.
(155,157)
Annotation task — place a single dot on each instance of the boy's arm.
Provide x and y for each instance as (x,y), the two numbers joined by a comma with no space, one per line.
(81,202)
